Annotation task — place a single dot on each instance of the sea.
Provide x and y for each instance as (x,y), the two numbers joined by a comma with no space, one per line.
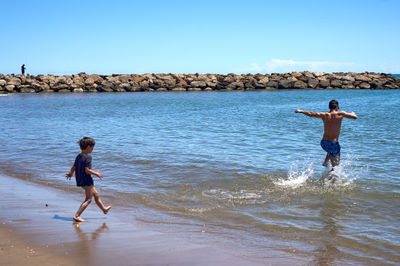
(240,169)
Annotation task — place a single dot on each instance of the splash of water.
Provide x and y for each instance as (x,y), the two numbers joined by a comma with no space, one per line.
(346,173)
(297,175)
(302,173)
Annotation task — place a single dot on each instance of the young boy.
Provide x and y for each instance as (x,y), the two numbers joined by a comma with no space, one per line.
(332,123)
(83,171)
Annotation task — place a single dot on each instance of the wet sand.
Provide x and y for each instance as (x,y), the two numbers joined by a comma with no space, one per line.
(36,228)
(14,250)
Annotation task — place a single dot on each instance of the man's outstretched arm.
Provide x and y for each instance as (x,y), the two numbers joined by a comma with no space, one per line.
(310,113)
(348,115)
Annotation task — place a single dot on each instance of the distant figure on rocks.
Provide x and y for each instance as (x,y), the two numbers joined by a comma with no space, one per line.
(23,69)
(332,123)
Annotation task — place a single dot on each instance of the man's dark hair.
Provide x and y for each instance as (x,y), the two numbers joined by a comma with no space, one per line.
(333,104)
(86,142)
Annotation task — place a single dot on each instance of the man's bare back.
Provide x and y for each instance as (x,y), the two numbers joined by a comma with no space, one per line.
(332,124)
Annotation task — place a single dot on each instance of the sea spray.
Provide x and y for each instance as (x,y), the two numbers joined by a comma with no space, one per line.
(304,173)
(298,175)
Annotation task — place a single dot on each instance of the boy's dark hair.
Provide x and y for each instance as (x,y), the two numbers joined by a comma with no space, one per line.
(86,142)
(333,104)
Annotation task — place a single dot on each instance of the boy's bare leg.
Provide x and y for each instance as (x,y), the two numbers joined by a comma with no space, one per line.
(88,200)
(326,160)
(98,201)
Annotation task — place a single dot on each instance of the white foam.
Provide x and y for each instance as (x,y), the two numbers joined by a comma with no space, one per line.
(296,177)
(232,195)
(301,172)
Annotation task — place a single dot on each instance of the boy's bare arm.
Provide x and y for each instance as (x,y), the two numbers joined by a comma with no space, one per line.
(351,115)
(71,172)
(310,113)
(91,172)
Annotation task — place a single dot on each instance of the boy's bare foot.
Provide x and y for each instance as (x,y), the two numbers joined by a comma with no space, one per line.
(107,209)
(78,219)
(325,164)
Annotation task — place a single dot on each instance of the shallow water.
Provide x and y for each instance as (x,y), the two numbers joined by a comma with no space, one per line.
(240,168)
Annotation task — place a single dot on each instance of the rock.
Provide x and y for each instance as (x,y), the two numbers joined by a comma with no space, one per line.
(199,84)
(313,83)
(391,85)
(14,81)
(168,81)
(319,74)
(348,87)
(89,81)
(26,89)
(299,85)
(308,75)
(62,80)
(348,78)
(235,85)
(9,88)
(263,81)
(196,82)
(137,79)
(297,75)
(212,83)
(124,78)
(364,85)
(59,87)
(105,89)
(249,86)
(178,89)
(286,83)
(208,89)
(378,84)
(78,90)
(124,86)
(363,78)
(336,83)
(323,82)
(181,82)
(78,81)
(194,89)
(272,84)
(144,84)
(96,78)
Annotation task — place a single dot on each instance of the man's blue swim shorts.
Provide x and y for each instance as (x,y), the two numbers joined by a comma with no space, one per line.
(331,147)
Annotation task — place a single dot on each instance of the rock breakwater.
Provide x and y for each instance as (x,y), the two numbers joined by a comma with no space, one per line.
(83,82)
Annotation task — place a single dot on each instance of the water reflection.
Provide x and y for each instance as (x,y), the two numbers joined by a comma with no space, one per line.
(86,246)
(326,253)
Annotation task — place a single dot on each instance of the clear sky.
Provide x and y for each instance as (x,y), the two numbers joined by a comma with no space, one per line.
(217,36)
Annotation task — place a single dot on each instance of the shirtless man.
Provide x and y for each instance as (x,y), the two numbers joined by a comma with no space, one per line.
(332,123)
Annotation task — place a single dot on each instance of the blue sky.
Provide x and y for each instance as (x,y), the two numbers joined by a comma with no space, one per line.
(249,36)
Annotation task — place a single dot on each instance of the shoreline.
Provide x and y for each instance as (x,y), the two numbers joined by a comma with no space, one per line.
(35,233)
(83,82)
